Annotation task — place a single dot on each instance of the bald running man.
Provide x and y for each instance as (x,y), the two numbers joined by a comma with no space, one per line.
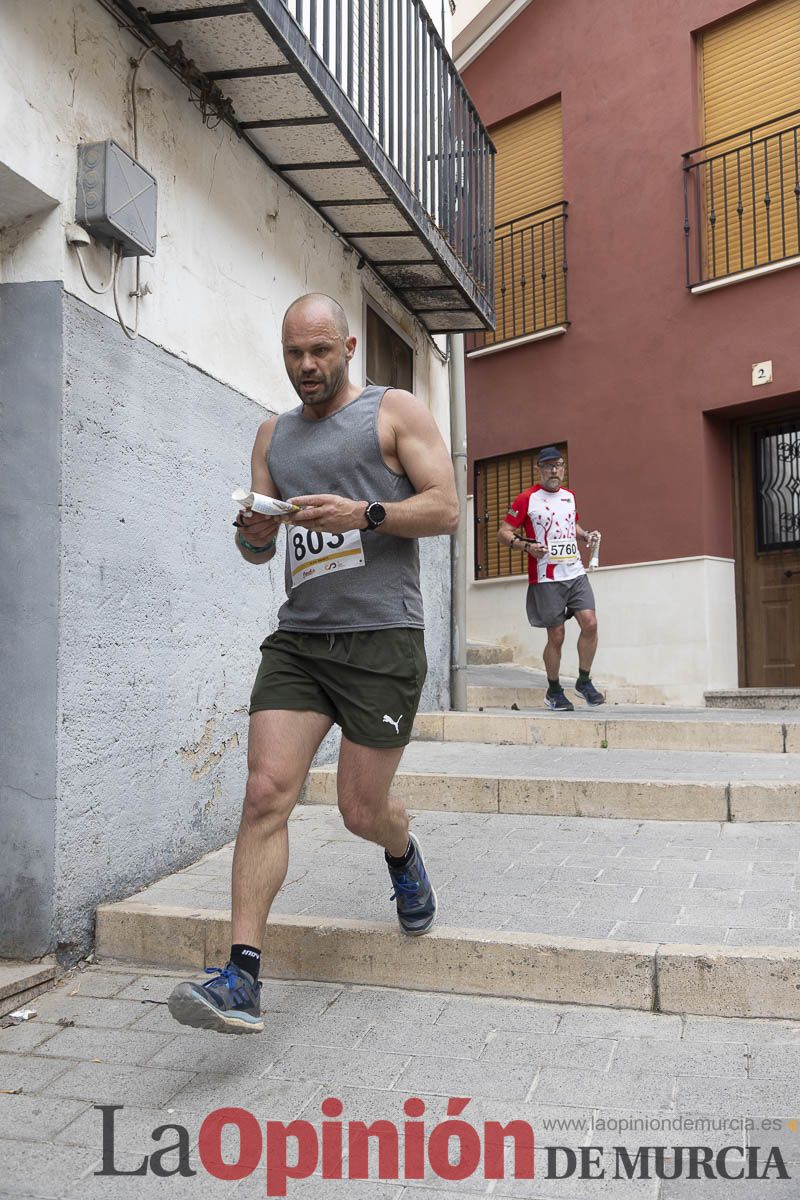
(372,475)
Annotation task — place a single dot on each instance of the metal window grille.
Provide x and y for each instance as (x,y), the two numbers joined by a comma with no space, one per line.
(742,200)
(530,264)
(776,456)
(497,481)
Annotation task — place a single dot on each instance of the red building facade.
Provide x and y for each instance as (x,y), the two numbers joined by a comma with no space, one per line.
(678,453)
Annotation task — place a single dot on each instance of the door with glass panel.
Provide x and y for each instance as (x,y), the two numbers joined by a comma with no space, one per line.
(769,551)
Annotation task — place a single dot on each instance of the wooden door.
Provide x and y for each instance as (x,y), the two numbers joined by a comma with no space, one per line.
(768,552)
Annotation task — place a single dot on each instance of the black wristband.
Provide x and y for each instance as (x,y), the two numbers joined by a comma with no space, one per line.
(256,549)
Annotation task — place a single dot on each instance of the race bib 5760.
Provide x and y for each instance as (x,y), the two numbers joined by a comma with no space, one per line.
(563,550)
(312,553)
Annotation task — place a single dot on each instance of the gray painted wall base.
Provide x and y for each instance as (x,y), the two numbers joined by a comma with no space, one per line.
(30,490)
(158,624)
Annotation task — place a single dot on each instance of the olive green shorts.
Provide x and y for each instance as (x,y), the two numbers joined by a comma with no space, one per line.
(368,681)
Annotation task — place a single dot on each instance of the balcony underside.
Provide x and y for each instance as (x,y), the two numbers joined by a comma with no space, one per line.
(296,117)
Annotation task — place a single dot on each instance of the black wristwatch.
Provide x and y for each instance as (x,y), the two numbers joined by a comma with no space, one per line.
(375,514)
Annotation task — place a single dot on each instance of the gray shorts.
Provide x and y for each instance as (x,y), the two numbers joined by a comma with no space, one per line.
(552,603)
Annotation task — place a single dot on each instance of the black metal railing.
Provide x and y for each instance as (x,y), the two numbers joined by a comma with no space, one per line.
(530,276)
(742,200)
(390,62)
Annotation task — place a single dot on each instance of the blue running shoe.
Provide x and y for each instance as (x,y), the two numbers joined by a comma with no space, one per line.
(590,693)
(558,701)
(416,899)
(228,1003)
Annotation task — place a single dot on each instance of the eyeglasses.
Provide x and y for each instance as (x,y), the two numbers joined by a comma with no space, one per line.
(552,466)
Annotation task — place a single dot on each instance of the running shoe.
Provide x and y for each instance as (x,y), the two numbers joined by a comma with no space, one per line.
(590,693)
(416,899)
(558,701)
(228,1003)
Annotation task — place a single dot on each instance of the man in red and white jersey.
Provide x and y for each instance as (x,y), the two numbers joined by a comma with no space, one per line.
(543,523)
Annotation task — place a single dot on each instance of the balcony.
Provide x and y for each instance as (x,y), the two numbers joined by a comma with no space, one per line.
(742,205)
(358,106)
(530,262)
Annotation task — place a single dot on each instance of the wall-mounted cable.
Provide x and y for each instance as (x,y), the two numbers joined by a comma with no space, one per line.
(98,291)
(136,63)
(133,333)
(92,177)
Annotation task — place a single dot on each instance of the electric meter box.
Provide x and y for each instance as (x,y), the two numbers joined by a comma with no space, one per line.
(116,199)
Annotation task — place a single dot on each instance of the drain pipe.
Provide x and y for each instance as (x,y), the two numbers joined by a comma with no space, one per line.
(458,542)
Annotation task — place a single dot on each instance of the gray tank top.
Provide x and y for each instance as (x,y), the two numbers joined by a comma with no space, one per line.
(361,580)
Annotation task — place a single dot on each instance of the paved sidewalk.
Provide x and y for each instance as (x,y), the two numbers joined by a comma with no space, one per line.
(653,881)
(104,1036)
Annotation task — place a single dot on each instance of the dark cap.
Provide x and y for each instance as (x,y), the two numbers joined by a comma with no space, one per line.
(549,454)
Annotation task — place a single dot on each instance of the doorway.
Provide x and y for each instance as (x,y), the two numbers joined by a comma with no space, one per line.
(390,359)
(768,550)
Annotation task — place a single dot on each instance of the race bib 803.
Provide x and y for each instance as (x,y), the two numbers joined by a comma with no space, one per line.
(312,553)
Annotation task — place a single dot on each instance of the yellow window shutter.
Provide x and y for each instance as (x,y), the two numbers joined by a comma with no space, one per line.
(751,76)
(529,165)
(529,282)
(751,68)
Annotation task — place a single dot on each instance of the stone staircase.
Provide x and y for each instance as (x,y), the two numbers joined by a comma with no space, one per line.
(22,982)
(769,699)
(509,686)
(486,654)
(634,858)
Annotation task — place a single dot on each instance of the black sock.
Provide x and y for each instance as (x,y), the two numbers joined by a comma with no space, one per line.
(583,676)
(401,862)
(553,686)
(246,958)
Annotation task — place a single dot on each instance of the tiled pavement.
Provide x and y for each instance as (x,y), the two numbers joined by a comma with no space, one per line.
(692,882)
(104,1036)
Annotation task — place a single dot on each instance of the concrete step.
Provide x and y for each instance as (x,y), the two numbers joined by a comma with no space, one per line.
(692,918)
(485,655)
(632,784)
(22,982)
(775,699)
(626,727)
(531,699)
(509,686)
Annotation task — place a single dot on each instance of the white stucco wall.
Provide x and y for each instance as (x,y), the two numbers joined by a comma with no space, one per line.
(667,629)
(476,23)
(158,620)
(235,244)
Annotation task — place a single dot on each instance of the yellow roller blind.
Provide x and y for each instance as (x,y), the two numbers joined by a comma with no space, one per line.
(751,76)
(529,163)
(529,255)
(751,68)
